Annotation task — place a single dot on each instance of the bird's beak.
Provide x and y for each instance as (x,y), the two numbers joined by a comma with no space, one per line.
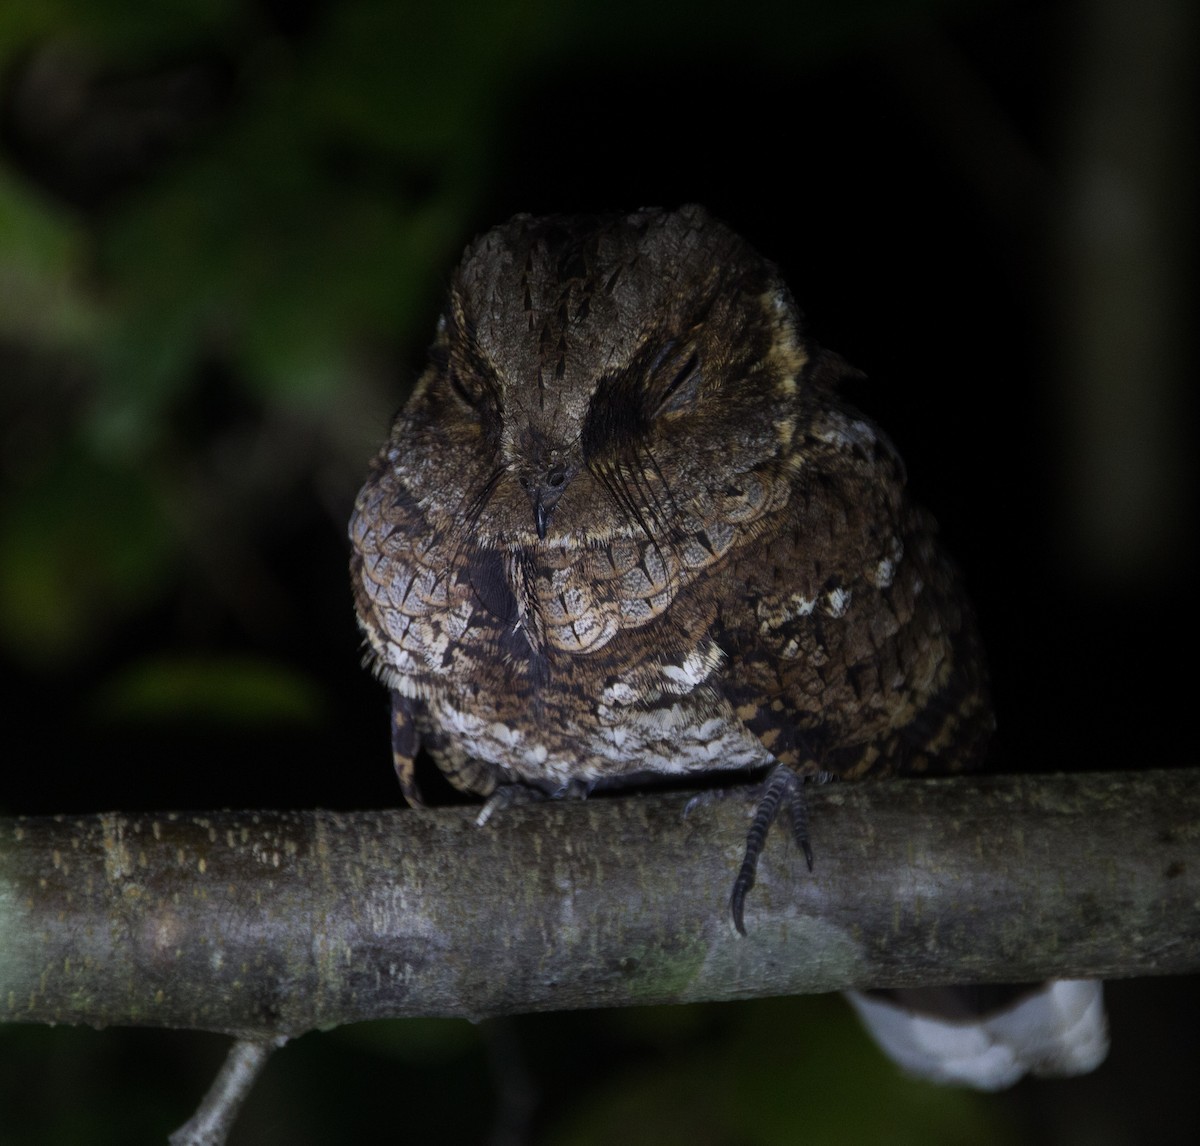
(541,514)
(544,492)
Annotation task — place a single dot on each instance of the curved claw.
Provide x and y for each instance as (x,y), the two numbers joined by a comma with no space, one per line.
(741,888)
(782,782)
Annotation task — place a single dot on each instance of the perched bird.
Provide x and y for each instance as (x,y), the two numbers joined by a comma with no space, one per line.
(626,527)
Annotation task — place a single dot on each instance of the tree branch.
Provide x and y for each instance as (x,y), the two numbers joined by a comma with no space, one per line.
(269,924)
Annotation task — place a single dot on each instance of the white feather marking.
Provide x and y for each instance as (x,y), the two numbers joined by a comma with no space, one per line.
(1058,1030)
(838,601)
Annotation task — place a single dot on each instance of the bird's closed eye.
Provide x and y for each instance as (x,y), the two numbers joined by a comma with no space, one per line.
(624,407)
(677,382)
(617,417)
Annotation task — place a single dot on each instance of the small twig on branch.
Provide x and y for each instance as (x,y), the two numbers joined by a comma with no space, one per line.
(270,924)
(215,1115)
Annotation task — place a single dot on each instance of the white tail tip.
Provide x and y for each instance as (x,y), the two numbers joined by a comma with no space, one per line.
(1059,1029)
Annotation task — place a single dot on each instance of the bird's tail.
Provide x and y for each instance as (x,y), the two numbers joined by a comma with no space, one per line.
(989,1037)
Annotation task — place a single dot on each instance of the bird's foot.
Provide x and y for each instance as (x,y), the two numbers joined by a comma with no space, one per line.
(782,786)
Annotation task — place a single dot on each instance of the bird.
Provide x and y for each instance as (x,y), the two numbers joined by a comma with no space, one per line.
(627,528)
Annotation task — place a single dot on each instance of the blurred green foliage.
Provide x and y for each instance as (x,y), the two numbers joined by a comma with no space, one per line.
(251,232)
(778,1075)
(279,204)
(42,250)
(81,543)
(217,690)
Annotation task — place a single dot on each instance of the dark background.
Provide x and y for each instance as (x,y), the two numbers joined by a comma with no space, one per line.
(224,234)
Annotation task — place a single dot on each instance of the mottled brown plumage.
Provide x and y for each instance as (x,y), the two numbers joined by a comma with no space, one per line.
(626,527)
